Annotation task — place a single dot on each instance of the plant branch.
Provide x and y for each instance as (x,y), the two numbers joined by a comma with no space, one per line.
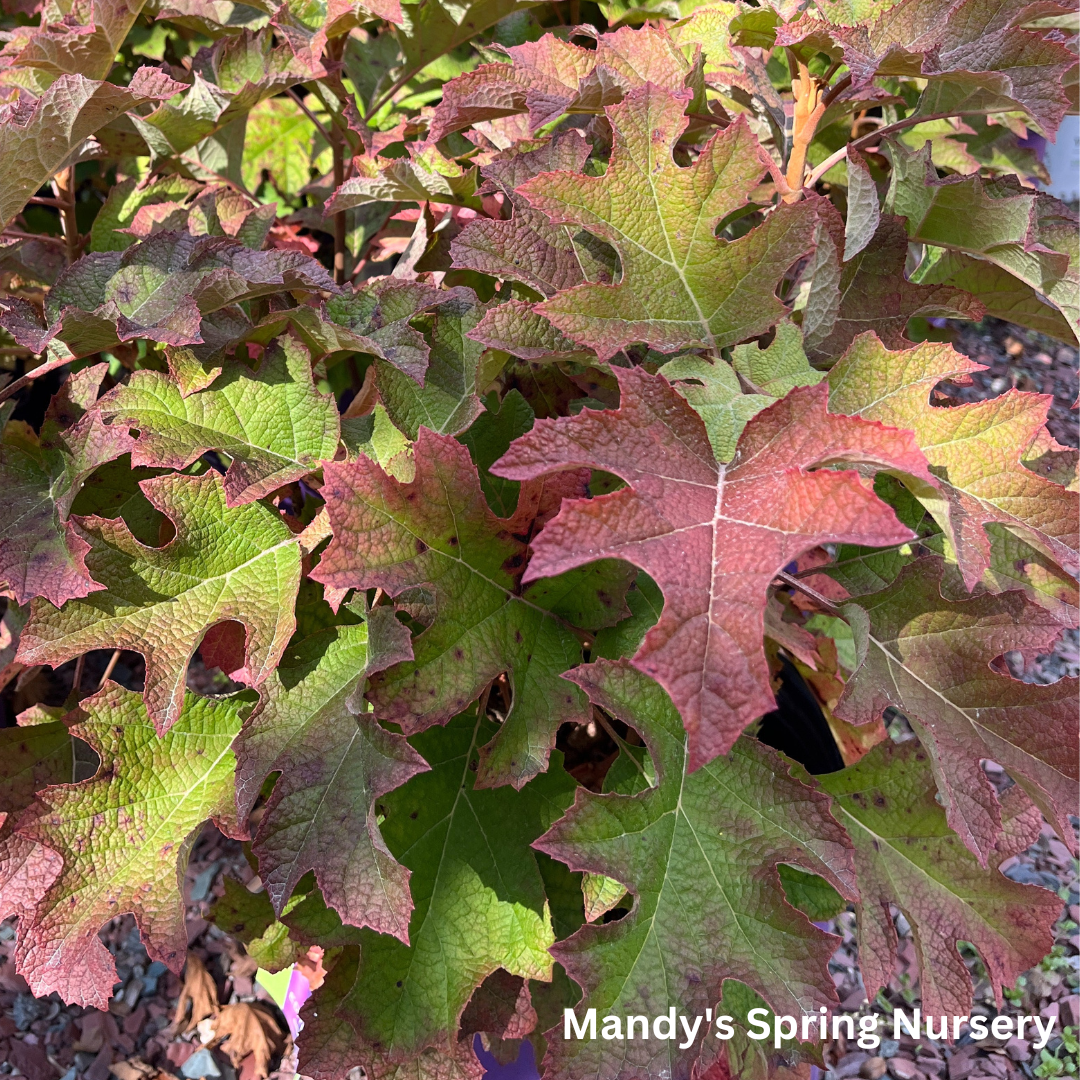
(45,238)
(865,140)
(835,91)
(64,184)
(30,376)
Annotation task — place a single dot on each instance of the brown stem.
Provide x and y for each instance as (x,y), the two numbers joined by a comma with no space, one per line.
(76,681)
(814,595)
(15,234)
(113,660)
(835,91)
(309,114)
(335,49)
(575,12)
(30,376)
(65,197)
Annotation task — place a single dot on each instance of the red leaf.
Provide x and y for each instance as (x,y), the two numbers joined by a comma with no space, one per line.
(712,536)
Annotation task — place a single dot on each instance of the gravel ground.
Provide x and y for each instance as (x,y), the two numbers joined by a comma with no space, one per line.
(136,1039)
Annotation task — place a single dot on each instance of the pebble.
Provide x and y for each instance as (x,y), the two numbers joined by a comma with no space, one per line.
(1018,1049)
(200,1066)
(25,1011)
(902,1068)
(873,1068)
(889,1048)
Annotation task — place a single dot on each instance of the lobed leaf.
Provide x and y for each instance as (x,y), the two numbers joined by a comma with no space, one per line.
(712,536)
(931,659)
(223,564)
(124,836)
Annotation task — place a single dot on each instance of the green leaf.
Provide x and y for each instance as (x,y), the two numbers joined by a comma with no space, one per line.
(705,908)
(223,564)
(436,531)
(1002,294)
(281,146)
(39,137)
(31,758)
(488,439)
(334,765)
(975,450)
(863,208)
(479,897)
(681,286)
(447,403)
(714,391)
(159,289)
(906,855)
(1032,236)
(274,426)
(125,836)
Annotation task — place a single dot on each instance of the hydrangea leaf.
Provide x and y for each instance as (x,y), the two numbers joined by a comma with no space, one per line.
(480,902)
(377,317)
(519,329)
(160,289)
(974,450)
(223,564)
(334,765)
(281,143)
(38,136)
(527,247)
(489,438)
(549,77)
(41,552)
(713,389)
(681,286)
(73,47)
(875,294)
(215,211)
(718,396)
(273,424)
(33,758)
(930,658)
(978,42)
(151,795)
(436,531)
(906,854)
(700,853)
(1002,294)
(712,536)
(433,29)
(780,366)
(308,25)
(125,200)
(426,175)
(1014,564)
(447,403)
(1030,235)
(329,1048)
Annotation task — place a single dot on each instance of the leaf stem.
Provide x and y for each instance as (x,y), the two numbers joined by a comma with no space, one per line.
(865,140)
(113,660)
(814,595)
(310,115)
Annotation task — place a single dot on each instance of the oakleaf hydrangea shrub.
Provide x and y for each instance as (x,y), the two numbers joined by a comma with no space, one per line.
(468,381)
